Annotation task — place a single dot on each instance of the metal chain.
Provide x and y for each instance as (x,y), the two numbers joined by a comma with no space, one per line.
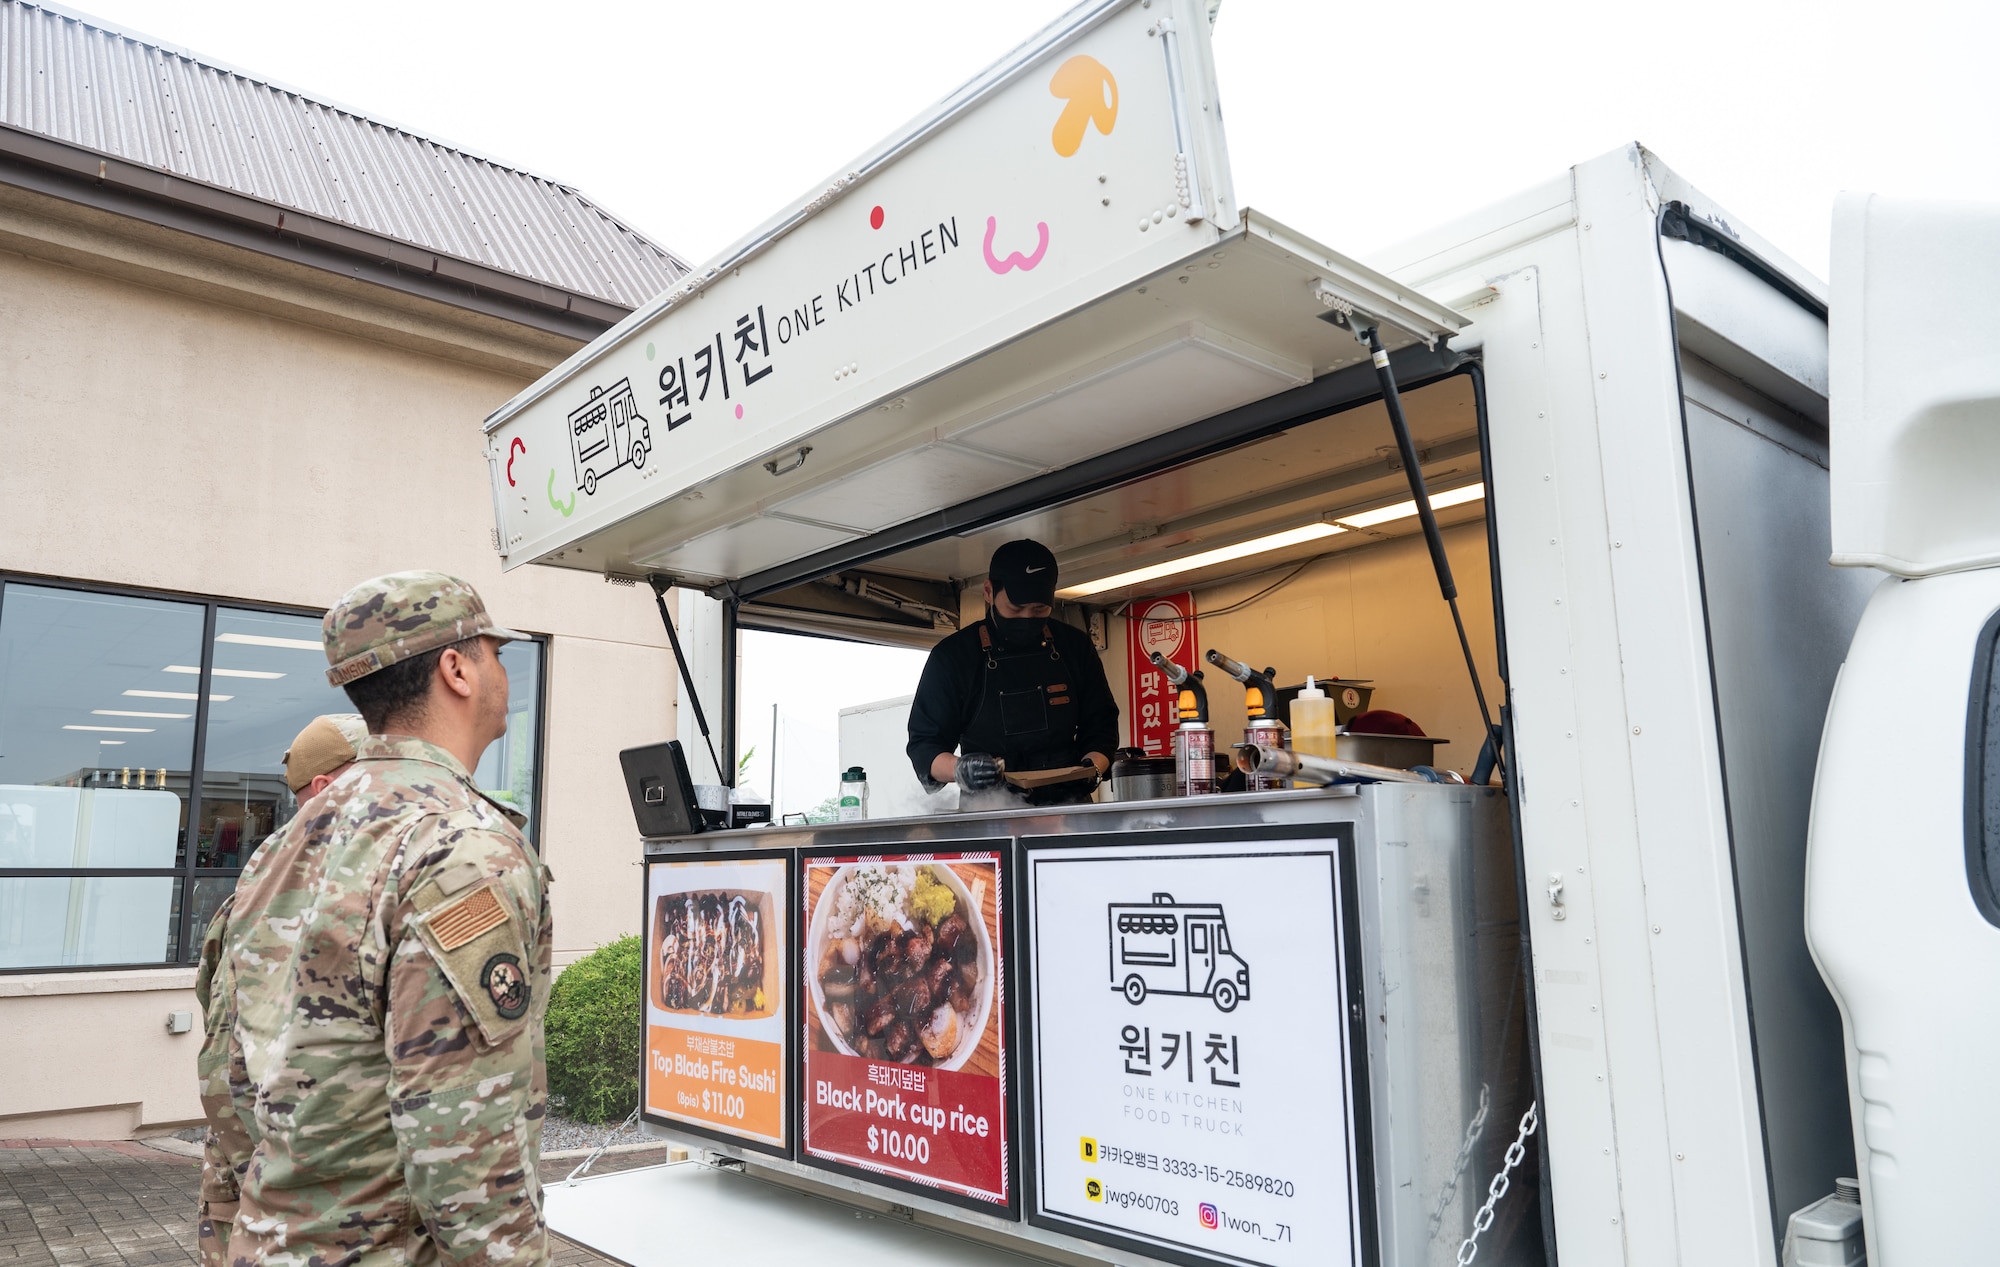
(1469,1248)
(631,1119)
(1473,1129)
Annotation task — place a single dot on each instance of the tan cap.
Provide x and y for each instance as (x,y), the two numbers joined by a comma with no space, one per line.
(326,744)
(398,616)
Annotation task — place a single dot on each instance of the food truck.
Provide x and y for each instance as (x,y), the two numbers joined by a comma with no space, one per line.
(1553,479)
(1166,947)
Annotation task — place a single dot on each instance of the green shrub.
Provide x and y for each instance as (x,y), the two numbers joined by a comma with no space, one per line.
(594,1026)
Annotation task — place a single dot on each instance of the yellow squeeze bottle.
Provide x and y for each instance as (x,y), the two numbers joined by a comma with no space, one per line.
(1312,722)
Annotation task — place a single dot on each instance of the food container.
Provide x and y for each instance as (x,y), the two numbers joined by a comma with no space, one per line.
(816,940)
(1398,752)
(712,800)
(1143,778)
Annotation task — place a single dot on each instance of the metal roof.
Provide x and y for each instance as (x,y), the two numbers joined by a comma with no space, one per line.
(75,79)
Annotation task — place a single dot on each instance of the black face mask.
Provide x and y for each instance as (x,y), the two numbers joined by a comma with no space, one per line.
(1016,631)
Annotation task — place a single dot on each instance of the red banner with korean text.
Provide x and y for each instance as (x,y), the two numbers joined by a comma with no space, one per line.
(1165,625)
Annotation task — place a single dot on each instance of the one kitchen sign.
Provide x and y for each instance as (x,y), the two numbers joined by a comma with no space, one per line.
(1165,625)
(1194,1071)
(1087,161)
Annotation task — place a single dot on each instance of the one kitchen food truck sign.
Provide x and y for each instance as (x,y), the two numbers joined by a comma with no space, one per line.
(1084,163)
(1194,1073)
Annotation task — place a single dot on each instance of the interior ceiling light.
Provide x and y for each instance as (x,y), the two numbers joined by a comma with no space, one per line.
(116,730)
(119,712)
(263,640)
(1403,510)
(111,741)
(189,668)
(1207,558)
(174,695)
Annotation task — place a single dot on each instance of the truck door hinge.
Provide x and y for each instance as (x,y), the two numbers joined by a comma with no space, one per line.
(1556,896)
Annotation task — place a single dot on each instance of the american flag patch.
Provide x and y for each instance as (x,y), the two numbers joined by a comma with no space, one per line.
(468,917)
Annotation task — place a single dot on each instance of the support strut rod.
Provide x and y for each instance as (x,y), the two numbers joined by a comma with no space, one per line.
(1392,401)
(661,584)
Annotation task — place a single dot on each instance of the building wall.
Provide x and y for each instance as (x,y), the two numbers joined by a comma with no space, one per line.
(183,416)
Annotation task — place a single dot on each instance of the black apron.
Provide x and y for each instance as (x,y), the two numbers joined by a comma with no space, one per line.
(1027,714)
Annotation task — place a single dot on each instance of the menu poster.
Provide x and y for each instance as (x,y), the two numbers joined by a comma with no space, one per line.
(717,953)
(1194,1082)
(905,1069)
(1165,625)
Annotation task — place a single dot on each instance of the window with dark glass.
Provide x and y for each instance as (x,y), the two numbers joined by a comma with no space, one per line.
(142,743)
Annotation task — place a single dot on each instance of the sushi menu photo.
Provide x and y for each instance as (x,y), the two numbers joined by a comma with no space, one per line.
(905,1066)
(716,958)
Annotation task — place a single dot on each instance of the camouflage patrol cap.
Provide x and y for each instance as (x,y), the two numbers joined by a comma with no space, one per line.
(401,615)
(325,745)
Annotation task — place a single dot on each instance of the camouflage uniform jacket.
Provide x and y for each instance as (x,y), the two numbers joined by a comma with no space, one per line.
(226,1153)
(390,959)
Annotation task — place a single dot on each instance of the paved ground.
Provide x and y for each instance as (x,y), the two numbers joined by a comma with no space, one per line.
(66,1203)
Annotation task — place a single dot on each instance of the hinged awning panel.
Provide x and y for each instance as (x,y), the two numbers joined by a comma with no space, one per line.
(1089,158)
(884,372)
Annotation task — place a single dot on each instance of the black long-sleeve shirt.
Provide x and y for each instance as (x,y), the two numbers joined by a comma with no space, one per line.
(948,696)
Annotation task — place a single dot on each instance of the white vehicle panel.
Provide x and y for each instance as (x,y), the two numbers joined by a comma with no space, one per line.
(1916,387)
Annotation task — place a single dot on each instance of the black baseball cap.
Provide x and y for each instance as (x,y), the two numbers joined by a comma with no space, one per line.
(1025,570)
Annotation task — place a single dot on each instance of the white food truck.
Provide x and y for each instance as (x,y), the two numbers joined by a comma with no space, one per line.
(1593,997)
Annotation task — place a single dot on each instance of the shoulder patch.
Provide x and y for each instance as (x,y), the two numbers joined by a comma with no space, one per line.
(506,984)
(464,919)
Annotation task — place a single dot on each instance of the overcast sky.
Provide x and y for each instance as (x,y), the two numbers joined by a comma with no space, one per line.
(1357,124)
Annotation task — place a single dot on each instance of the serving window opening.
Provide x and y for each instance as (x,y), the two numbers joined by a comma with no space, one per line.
(1299,552)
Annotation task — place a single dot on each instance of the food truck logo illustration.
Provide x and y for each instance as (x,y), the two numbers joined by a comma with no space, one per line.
(1091,93)
(1166,947)
(515,448)
(1163,627)
(1015,259)
(607,433)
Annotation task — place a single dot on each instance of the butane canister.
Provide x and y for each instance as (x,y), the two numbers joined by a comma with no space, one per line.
(1194,760)
(1266,732)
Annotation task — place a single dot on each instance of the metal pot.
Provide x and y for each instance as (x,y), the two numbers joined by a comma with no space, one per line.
(1398,752)
(1142,778)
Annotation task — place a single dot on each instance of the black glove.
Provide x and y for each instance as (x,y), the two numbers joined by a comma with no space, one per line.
(978,772)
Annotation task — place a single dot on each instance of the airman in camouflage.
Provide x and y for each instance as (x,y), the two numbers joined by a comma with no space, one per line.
(390,960)
(322,751)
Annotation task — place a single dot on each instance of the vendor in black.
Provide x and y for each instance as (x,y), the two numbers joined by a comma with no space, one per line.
(1018,687)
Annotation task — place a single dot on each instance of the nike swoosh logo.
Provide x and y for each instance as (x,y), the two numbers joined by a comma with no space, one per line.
(1032,571)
